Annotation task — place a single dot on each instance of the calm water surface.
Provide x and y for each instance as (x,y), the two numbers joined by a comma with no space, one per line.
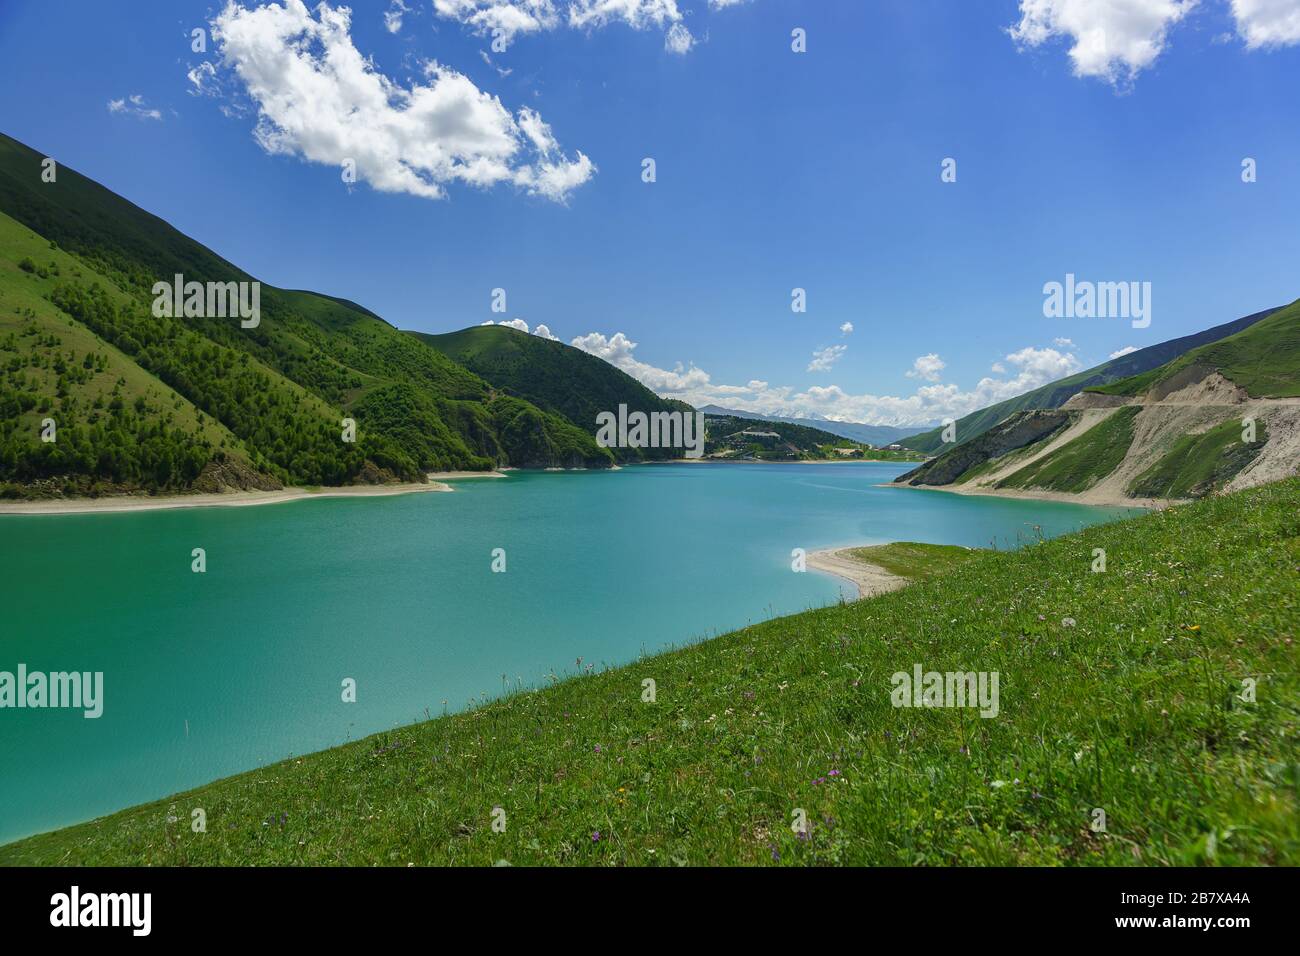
(210,674)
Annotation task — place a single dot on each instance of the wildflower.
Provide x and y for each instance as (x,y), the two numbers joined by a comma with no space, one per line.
(595,837)
(1067,621)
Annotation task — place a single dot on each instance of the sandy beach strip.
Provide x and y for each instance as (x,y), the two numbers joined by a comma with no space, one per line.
(1101,499)
(234,499)
(869,579)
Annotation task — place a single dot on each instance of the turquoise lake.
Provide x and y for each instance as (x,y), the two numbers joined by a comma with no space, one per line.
(211,674)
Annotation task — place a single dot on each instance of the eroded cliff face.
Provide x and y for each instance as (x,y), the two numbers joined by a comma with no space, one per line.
(1191,403)
(1021,429)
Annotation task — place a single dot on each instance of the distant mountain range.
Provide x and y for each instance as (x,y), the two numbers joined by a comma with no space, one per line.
(100,393)
(869,434)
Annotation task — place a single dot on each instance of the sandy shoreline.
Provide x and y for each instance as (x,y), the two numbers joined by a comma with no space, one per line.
(234,499)
(1098,499)
(869,579)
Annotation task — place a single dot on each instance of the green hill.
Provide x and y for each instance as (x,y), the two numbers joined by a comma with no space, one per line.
(1190,448)
(1121,690)
(1056,394)
(1263,359)
(274,394)
(553,376)
(732,436)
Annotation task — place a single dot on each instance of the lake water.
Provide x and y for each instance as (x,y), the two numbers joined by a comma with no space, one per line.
(210,674)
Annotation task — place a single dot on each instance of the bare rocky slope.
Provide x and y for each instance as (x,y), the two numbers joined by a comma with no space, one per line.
(1217,419)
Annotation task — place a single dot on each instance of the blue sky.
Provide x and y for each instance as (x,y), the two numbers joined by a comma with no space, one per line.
(820,170)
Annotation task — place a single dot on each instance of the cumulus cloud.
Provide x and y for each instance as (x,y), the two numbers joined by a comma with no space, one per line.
(927,367)
(1113,40)
(846,328)
(637,14)
(319,98)
(1063,343)
(500,18)
(929,404)
(1124,351)
(541,331)
(1267,23)
(823,359)
(507,19)
(393,16)
(134,105)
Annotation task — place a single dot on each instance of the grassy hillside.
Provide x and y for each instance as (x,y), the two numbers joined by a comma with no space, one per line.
(1020,434)
(1200,464)
(1264,359)
(116,426)
(281,388)
(553,376)
(1057,393)
(1120,691)
(1082,462)
(797,442)
(876,435)
(915,560)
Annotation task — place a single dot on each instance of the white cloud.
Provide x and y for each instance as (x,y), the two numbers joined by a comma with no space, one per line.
(638,14)
(507,19)
(678,40)
(500,18)
(823,359)
(319,98)
(393,16)
(846,328)
(723,4)
(204,79)
(927,367)
(929,404)
(1062,343)
(1267,23)
(134,105)
(541,331)
(1113,40)
(1124,351)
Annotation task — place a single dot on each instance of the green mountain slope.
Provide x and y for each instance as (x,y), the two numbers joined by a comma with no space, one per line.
(1264,359)
(1194,444)
(1056,394)
(553,376)
(116,427)
(280,389)
(876,435)
(731,436)
(796,712)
